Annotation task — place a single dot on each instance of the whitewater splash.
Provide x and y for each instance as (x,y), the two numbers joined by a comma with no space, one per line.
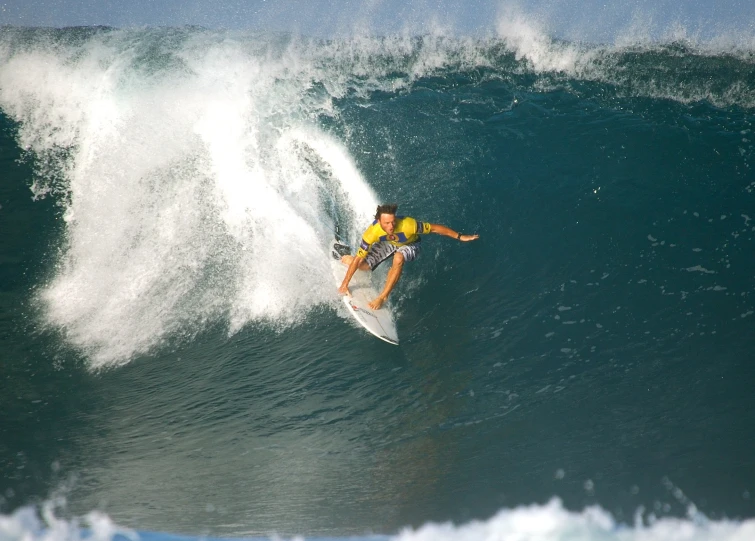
(191,165)
(189,189)
(549,522)
(29,524)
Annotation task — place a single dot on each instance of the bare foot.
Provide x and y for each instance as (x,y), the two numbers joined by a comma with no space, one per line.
(377,303)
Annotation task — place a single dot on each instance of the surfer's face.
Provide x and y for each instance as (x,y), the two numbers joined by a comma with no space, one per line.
(388,223)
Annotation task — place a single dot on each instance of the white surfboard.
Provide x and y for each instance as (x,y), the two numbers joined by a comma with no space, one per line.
(378,322)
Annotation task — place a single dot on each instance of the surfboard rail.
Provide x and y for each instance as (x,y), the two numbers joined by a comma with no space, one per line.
(380,322)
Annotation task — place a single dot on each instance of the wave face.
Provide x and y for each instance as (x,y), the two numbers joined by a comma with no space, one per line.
(179,353)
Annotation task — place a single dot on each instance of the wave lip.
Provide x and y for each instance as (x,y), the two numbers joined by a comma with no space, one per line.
(677,66)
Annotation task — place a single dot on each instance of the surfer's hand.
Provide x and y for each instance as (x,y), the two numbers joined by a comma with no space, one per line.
(467,238)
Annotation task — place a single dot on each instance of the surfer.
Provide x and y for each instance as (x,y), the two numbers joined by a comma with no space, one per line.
(391,236)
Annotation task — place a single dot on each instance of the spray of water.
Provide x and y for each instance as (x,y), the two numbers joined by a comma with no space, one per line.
(195,183)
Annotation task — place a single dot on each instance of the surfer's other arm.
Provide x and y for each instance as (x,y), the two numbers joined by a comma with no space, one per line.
(448,232)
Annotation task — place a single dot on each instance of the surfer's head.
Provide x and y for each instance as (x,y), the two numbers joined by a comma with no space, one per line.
(389,208)
(386,217)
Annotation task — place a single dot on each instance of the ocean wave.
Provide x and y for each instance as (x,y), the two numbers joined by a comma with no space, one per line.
(190,164)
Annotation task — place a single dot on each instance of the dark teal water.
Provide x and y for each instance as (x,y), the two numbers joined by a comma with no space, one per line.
(172,346)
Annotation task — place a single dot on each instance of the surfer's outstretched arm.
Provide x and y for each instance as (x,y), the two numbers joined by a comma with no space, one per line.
(356,261)
(448,232)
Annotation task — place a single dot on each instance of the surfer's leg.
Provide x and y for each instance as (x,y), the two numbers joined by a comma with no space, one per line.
(393,275)
(347,259)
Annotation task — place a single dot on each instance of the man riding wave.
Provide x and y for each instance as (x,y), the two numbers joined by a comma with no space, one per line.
(391,236)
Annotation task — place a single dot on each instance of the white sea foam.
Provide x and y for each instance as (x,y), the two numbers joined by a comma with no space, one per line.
(549,522)
(553,522)
(31,524)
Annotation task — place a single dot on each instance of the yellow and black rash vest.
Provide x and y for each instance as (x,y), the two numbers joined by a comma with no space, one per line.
(407,230)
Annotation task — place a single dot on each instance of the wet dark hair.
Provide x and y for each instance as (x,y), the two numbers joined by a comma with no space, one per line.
(388,208)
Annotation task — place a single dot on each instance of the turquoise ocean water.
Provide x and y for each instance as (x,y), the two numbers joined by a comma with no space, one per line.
(175,358)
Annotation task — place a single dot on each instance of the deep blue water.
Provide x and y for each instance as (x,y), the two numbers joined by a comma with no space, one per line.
(174,353)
